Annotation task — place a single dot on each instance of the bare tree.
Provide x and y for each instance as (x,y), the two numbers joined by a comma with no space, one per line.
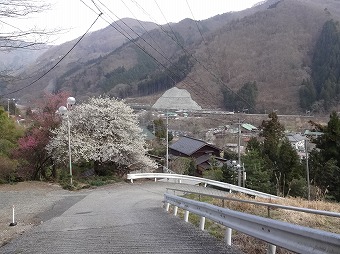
(13,37)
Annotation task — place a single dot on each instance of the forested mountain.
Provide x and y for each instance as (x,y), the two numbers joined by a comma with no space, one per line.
(322,91)
(260,59)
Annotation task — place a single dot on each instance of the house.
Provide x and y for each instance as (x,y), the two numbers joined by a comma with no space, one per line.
(297,141)
(200,151)
(246,127)
(206,161)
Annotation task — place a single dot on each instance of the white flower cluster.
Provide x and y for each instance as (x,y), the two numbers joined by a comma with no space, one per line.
(103,129)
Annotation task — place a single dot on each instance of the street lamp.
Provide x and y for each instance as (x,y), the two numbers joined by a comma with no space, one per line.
(8,100)
(65,111)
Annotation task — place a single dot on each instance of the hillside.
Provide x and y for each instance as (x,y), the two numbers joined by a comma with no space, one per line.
(18,59)
(92,46)
(271,44)
(272,47)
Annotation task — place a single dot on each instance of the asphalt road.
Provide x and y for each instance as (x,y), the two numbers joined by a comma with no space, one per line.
(125,218)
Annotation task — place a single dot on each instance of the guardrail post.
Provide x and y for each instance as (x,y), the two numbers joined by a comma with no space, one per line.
(186,216)
(180,181)
(131,180)
(227,237)
(167,206)
(271,249)
(202,223)
(155,179)
(175,210)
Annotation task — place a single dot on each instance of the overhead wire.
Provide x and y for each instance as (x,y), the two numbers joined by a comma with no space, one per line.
(203,39)
(61,59)
(139,36)
(199,62)
(190,78)
(168,23)
(196,21)
(141,24)
(161,27)
(175,40)
(139,46)
(133,41)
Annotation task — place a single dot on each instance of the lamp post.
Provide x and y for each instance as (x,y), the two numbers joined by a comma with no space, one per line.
(8,100)
(65,111)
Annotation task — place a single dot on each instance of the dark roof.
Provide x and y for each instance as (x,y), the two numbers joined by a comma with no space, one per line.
(189,146)
(203,158)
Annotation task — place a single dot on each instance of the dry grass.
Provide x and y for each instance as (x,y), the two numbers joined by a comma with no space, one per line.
(248,244)
(326,223)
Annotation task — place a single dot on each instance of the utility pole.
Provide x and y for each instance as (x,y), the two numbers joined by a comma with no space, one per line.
(239,153)
(244,175)
(167,141)
(307,168)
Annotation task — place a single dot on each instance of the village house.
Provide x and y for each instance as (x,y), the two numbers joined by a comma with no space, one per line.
(204,154)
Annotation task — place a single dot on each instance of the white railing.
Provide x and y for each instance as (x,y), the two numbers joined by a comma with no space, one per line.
(181,178)
(286,235)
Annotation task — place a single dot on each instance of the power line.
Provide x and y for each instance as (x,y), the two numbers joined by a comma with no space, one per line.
(199,62)
(188,54)
(139,46)
(196,22)
(152,46)
(61,59)
(166,20)
(133,41)
(209,71)
(141,24)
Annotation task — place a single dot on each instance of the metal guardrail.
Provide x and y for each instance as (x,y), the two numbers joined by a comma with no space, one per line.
(268,205)
(289,236)
(228,186)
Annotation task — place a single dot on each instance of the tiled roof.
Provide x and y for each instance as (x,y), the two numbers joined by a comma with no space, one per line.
(295,137)
(189,146)
(202,159)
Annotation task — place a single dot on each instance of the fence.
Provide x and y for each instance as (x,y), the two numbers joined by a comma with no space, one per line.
(289,236)
(181,178)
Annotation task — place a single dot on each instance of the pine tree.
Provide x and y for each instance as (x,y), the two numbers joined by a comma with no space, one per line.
(325,162)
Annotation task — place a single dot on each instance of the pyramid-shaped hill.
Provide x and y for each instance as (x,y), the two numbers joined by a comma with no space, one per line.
(176,98)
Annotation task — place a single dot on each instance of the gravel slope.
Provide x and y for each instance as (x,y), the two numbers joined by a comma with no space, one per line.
(29,199)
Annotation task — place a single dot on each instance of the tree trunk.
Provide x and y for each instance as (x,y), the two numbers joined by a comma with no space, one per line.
(54,170)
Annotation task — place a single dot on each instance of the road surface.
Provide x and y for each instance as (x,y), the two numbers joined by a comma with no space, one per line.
(123,218)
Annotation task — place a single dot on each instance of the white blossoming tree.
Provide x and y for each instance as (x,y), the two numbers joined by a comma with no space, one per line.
(104,131)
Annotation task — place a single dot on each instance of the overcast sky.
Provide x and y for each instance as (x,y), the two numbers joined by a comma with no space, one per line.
(75,17)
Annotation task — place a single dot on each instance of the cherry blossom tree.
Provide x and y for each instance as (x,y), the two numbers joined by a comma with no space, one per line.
(103,131)
(35,161)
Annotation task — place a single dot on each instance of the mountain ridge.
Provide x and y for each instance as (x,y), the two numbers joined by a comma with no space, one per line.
(271,44)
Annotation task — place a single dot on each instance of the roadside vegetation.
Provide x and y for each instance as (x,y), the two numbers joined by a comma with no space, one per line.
(273,165)
(106,143)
